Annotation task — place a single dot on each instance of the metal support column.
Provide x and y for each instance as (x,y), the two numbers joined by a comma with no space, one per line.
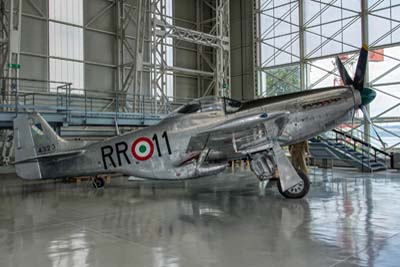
(120,45)
(11,34)
(135,74)
(303,65)
(364,39)
(199,19)
(159,65)
(256,48)
(223,61)
(131,52)
(4,44)
(217,38)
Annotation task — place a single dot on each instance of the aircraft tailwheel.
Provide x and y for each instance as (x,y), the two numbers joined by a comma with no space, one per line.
(299,190)
(98,182)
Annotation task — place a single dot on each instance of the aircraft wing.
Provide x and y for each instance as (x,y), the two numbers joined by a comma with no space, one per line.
(59,155)
(241,134)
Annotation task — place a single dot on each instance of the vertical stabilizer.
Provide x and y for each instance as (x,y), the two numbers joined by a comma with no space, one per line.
(33,137)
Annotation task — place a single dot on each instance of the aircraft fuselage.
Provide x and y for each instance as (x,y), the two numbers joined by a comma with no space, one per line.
(157,152)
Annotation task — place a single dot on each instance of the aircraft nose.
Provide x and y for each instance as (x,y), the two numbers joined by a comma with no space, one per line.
(367,96)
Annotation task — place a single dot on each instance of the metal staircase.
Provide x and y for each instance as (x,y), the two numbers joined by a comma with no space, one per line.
(338,145)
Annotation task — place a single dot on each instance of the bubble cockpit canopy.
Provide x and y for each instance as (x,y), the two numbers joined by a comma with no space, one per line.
(210,103)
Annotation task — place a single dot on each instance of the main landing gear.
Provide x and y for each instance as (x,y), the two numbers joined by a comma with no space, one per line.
(264,167)
(98,182)
(299,190)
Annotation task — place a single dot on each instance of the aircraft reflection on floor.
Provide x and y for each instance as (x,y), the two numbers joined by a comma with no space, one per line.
(347,219)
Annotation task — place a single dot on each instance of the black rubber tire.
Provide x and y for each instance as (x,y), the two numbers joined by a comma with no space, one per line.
(299,194)
(98,182)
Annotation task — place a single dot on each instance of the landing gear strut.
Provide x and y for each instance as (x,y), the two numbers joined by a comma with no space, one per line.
(264,167)
(98,182)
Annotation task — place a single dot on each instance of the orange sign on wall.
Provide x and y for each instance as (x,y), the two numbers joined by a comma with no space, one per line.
(376,55)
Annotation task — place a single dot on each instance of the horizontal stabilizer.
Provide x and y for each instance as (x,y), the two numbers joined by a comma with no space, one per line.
(59,155)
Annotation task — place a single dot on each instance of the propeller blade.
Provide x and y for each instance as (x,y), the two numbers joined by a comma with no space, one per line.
(352,121)
(361,68)
(343,72)
(365,112)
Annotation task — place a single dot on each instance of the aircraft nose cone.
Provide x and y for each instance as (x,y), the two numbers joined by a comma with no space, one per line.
(367,96)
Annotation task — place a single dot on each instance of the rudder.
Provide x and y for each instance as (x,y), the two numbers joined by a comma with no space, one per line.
(33,137)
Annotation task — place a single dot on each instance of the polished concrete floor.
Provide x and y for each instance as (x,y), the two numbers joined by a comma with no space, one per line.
(348,219)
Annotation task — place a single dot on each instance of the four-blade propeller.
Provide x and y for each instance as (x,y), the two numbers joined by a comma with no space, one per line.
(367,94)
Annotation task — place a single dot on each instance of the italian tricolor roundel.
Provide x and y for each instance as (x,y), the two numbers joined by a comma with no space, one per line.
(142,148)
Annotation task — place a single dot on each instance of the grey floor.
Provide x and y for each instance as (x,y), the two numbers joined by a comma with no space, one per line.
(348,219)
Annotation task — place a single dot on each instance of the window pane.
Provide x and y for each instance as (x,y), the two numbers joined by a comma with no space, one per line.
(383,22)
(281,80)
(70,11)
(323,72)
(65,41)
(279,28)
(67,72)
(331,27)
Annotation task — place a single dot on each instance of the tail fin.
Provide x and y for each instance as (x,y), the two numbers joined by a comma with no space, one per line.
(33,137)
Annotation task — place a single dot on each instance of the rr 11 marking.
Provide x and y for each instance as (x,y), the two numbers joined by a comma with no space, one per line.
(108,151)
(141,149)
(155,139)
(165,137)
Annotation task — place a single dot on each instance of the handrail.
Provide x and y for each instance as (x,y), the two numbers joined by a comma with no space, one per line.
(358,140)
(67,85)
(73,102)
(34,80)
(85,105)
(361,132)
(364,144)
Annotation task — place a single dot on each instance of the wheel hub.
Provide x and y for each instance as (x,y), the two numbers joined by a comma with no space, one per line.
(297,188)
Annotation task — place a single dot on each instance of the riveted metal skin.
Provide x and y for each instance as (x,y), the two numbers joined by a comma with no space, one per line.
(181,140)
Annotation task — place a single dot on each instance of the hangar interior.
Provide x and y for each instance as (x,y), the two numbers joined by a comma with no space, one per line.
(91,65)
(98,68)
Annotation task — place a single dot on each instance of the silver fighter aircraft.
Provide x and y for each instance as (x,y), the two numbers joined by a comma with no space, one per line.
(200,138)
